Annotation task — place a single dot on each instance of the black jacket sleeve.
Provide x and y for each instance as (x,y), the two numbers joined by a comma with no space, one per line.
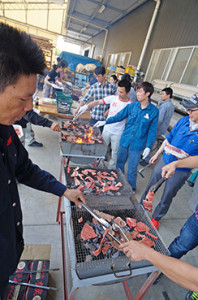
(32,117)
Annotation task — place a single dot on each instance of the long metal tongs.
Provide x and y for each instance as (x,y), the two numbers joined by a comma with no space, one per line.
(107,225)
(156,186)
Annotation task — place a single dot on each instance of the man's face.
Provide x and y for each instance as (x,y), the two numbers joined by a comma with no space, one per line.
(193,114)
(100,78)
(164,96)
(122,92)
(16,99)
(141,95)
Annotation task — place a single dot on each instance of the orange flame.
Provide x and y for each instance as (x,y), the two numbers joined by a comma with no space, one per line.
(79,140)
(90,133)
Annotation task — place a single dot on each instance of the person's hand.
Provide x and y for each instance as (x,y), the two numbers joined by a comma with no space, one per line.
(153,159)
(75,196)
(146,152)
(82,109)
(168,170)
(55,127)
(135,250)
(99,123)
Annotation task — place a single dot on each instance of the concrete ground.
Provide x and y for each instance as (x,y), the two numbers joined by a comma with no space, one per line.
(40,227)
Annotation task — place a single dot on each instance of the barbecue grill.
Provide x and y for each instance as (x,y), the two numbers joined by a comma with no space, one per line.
(104,270)
(83,149)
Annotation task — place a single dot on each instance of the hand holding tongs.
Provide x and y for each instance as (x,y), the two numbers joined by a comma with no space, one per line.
(107,225)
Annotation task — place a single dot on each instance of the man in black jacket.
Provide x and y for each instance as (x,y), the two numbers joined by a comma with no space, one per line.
(20,62)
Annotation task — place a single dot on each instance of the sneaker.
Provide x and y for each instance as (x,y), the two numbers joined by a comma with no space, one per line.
(35,144)
(191,296)
(156,224)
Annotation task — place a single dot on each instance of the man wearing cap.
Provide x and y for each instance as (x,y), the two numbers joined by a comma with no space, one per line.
(184,136)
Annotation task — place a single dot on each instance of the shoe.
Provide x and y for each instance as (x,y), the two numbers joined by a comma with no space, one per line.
(191,296)
(156,224)
(35,144)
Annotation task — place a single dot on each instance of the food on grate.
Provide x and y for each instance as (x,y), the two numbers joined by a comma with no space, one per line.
(120,222)
(80,187)
(140,227)
(97,252)
(147,203)
(147,242)
(106,247)
(103,215)
(102,182)
(87,232)
(131,222)
(68,170)
(152,235)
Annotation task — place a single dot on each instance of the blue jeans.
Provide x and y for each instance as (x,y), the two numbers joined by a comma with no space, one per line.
(187,240)
(134,158)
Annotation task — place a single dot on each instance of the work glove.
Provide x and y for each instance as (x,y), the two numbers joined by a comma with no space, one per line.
(82,109)
(146,152)
(99,124)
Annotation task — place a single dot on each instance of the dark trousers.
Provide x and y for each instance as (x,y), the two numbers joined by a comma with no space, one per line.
(171,187)
(3,286)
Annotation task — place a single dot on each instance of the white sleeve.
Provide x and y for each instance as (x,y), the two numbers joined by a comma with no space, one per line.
(108,99)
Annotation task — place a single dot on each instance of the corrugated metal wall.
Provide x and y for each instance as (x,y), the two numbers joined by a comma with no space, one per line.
(176,25)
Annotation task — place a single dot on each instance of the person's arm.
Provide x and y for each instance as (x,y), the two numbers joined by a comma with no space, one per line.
(152,132)
(121,115)
(32,176)
(47,80)
(178,271)
(95,103)
(162,113)
(154,158)
(34,118)
(189,162)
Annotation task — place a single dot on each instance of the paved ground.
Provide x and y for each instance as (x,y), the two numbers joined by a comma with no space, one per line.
(40,227)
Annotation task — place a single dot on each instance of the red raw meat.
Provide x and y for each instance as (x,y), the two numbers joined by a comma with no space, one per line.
(114,174)
(95,222)
(75,173)
(140,227)
(135,234)
(147,242)
(99,137)
(105,188)
(89,178)
(106,248)
(87,232)
(110,178)
(152,235)
(97,252)
(85,172)
(68,170)
(107,217)
(119,184)
(105,173)
(77,182)
(113,188)
(80,220)
(80,187)
(93,172)
(88,184)
(93,186)
(81,176)
(109,182)
(99,179)
(98,190)
(150,196)
(131,222)
(120,222)
(148,205)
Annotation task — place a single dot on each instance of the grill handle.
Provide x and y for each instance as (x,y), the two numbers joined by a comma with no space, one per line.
(122,276)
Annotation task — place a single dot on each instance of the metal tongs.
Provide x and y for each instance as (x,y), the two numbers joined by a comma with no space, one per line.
(107,225)
(156,186)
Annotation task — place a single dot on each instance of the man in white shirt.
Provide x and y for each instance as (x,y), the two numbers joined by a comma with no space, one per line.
(112,132)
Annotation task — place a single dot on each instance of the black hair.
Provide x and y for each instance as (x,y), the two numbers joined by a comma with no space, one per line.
(19,55)
(126,84)
(126,76)
(62,63)
(114,77)
(146,86)
(99,70)
(168,91)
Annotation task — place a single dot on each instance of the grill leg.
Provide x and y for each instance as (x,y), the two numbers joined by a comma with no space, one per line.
(146,286)
(72,294)
(127,291)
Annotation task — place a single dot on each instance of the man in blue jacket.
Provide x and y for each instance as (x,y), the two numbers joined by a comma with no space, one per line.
(20,61)
(184,136)
(139,133)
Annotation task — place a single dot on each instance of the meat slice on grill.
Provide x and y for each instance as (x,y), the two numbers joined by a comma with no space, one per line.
(87,232)
(97,252)
(105,216)
(120,222)
(141,227)
(152,235)
(147,242)
(131,222)
(148,205)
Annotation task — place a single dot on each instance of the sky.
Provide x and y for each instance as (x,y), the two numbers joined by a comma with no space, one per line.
(66,46)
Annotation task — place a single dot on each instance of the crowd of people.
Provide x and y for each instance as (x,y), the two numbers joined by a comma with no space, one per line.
(129,124)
